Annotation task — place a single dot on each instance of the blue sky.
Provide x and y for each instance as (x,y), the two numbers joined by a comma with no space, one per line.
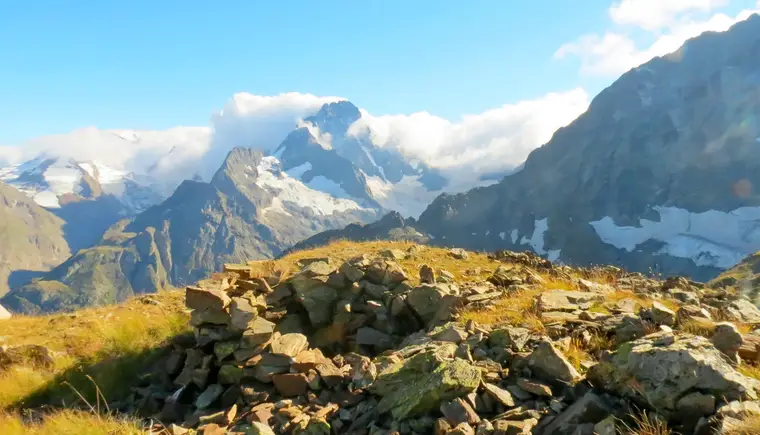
(155,64)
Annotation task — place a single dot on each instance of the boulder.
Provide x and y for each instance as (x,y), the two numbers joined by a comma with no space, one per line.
(289,345)
(728,340)
(550,364)
(425,300)
(459,253)
(588,409)
(662,315)
(510,337)
(566,300)
(203,299)
(318,302)
(421,383)
(742,310)
(659,369)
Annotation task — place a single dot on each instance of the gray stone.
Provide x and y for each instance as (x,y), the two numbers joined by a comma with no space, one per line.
(588,409)
(209,396)
(565,300)
(459,254)
(351,272)
(501,395)
(242,314)
(535,387)
(662,315)
(695,405)
(427,276)
(742,310)
(425,300)
(203,299)
(450,333)
(656,373)
(259,429)
(318,303)
(511,337)
(376,291)
(728,340)
(458,411)
(209,316)
(688,312)
(608,426)
(385,272)
(259,332)
(551,365)
(373,337)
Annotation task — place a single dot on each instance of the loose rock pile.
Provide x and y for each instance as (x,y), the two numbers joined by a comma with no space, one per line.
(355,348)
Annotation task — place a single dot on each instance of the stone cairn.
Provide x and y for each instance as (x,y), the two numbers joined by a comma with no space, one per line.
(354,348)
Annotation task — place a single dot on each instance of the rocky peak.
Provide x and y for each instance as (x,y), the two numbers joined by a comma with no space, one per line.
(335,118)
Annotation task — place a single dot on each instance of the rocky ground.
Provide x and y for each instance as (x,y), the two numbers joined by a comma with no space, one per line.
(428,341)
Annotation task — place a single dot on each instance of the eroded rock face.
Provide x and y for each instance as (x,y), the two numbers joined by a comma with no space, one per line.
(659,369)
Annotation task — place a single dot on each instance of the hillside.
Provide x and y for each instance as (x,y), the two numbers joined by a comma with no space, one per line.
(31,239)
(744,277)
(659,174)
(381,337)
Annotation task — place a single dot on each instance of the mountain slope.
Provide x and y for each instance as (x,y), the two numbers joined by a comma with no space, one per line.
(31,238)
(251,209)
(660,173)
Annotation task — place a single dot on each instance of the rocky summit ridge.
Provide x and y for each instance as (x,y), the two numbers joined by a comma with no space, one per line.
(399,338)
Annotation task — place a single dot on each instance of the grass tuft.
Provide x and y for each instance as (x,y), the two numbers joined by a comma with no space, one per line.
(68,422)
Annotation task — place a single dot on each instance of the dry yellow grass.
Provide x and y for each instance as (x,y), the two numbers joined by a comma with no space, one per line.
(342,250)
(68,422)
(119,334)
(698,326)
(644,425)
(750,370)
(576,354)
(517,309)
(748,426)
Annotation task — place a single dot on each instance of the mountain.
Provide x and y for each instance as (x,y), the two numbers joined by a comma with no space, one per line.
(330,152)
(251,209)
(87,195)
(660,174)
(744,277)
(31,238)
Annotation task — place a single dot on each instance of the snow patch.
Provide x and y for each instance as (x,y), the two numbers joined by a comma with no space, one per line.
(711,238)
(46,199)
(502,235)
(536,240)
(298,171)
(290,193)
(513,235)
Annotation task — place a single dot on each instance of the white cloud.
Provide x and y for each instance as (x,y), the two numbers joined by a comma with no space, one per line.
(496,140)
(664,24)
(656,14)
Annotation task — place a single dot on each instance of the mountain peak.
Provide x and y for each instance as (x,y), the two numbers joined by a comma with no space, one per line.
(335,117)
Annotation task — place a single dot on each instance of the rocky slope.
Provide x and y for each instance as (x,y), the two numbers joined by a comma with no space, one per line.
(250,209)
(661,173)
(399,338)
(31,239)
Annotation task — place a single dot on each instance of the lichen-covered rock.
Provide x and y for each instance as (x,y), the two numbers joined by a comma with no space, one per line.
(318,302)
(659,369)
(421,383)
(425,300)
(728,340)
(512,337)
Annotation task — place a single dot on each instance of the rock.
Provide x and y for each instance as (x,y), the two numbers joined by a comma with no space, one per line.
(588,409)
(511,337)
(375,291)
(629,328)
(34,354)
(209,317)
(260,331)
(742,310)
(458,411)
(534,387)
(351,272)
(549,364)
(242,314)
(425,300)
(318,303)
(688,312)
(450,333)
(393,254)
(565,300)
(419,384)
(427,276)
(684,296)
(505,276)
(728,340)
(695,405)
(594,287)
(662,315)
(223,349)
(229,374)
(656,372)
(462,429)
(626,305)
(289,345)
(501,395)
(445,276)
(484,428)
(259,429)
(511,427)
(459,254)
(373,337)
(209,396)
(363,372)
(608,426)
(290,384)
(442,427)
(203,299)
(385,272)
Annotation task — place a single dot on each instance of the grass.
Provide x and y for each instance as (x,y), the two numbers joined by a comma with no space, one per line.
(750,370)
(516,309)
(68,422)
(342,250)
(576,354)
(644,425)
(750,425)
(103,342)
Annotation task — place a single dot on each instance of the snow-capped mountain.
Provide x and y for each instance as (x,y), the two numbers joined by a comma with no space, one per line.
(54,182)
(326,152)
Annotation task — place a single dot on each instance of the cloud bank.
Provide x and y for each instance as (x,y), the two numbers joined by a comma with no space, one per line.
(498,139)
(643,29)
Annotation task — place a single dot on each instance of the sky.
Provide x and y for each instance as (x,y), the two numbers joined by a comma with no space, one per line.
(433,77)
